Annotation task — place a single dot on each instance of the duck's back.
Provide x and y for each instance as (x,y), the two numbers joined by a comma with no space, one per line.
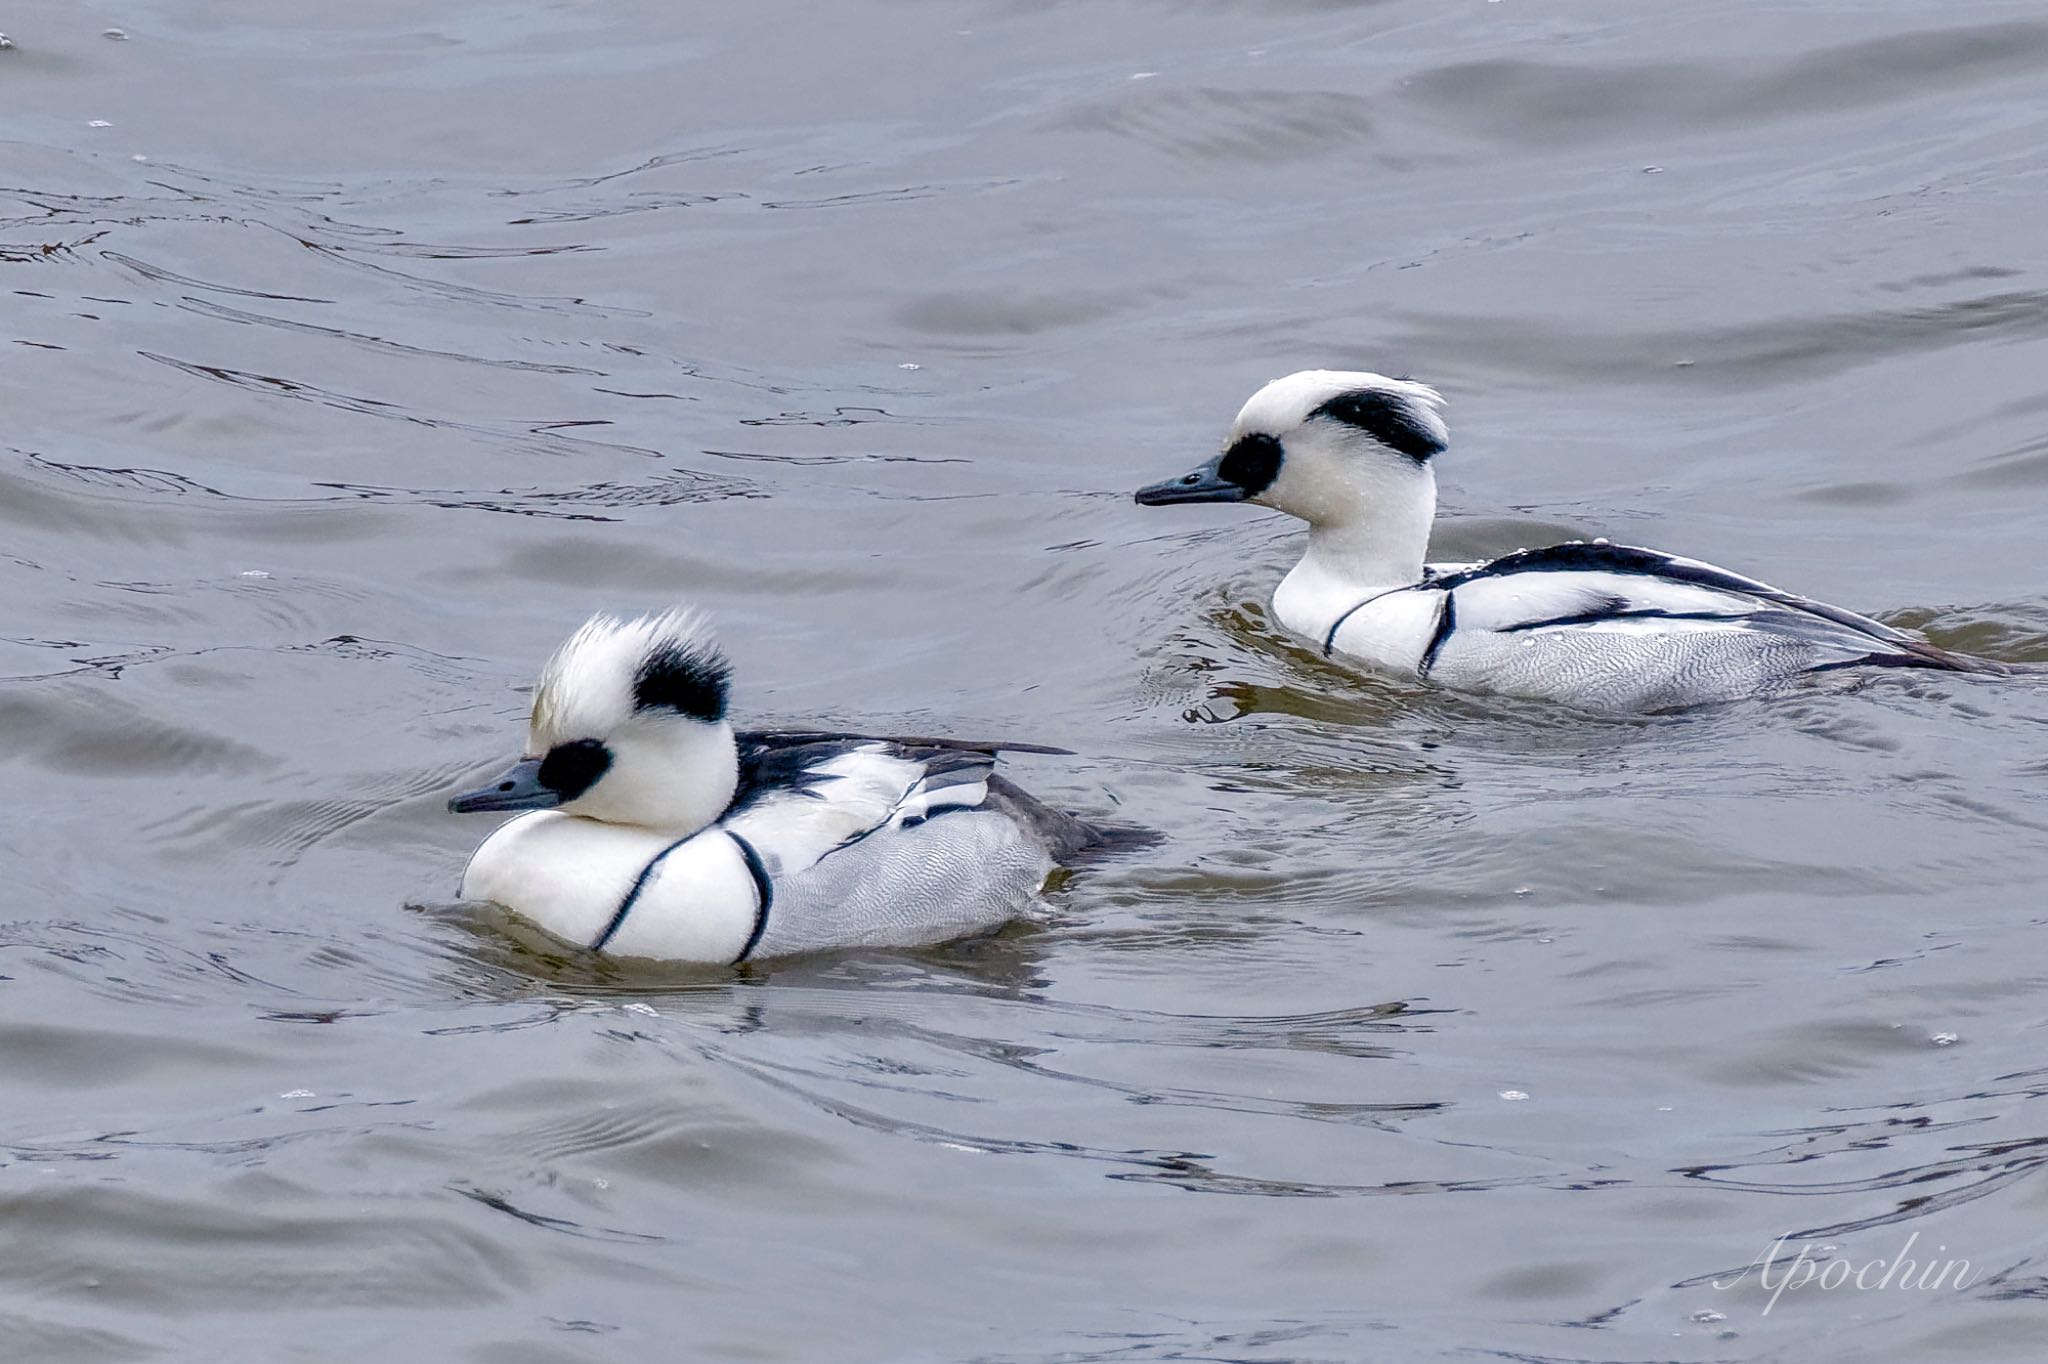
(1612,627)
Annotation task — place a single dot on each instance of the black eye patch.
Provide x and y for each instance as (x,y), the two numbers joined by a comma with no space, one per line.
(1252,463)
(1386,417)
(571,769)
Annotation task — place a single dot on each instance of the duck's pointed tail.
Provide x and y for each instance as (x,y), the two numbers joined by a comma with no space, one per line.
(1070,839)
(1914,653)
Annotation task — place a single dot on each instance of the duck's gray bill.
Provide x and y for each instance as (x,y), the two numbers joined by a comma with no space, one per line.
(1197,485)
(517,788)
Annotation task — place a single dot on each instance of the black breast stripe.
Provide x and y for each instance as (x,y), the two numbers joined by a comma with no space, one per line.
(1446,621)
(1330,639)
(618,920)
(764,894)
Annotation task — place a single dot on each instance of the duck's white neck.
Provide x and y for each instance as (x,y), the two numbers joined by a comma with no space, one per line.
(1369,536)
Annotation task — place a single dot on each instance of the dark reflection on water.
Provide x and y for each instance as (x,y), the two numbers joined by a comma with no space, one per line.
(355,355)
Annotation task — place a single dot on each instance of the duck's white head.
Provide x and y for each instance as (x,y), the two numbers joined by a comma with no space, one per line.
(628,727)
(1341,449)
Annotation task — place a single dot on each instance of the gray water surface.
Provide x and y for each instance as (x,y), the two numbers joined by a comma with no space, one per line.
(368,347)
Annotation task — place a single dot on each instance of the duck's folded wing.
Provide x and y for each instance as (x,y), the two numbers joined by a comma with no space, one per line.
(803,796)
(1621,588)
(767,740)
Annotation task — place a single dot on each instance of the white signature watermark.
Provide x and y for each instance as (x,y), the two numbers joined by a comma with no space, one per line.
(1778,1269)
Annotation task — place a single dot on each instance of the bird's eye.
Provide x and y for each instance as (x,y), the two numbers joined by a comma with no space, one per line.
(573,768)
(1252,463)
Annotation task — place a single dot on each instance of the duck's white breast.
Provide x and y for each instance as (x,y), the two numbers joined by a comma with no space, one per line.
(699,903)
(687,900)
(1391,631)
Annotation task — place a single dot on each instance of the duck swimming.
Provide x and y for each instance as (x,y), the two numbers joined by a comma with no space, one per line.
(654,829)
(1591,624)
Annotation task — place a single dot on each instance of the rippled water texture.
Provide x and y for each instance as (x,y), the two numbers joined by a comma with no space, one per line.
(354,351)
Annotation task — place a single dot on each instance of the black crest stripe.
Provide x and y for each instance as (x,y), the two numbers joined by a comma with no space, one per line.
(689,678)
(764,895)
(618,919)
(1394,420)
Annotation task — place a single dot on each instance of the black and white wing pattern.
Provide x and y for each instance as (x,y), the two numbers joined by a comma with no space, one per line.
(804,795)
(1629,591)
(1611,628)
(869,840)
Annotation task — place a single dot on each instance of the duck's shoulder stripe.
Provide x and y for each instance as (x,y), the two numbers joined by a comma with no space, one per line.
(764,893)
(1446,622)
(1428,583)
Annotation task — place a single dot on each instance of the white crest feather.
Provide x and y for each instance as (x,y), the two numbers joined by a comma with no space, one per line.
(587,687)
(1286,402)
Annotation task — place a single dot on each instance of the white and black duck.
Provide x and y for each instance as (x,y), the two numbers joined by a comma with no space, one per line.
(654,829)
(1595,625)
